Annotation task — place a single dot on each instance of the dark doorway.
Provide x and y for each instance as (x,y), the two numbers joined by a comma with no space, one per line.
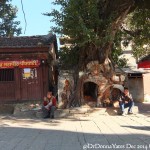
(90,91)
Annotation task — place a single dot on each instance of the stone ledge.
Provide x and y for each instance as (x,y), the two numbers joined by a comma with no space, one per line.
(62,113)
(25,114)
(6,109)
(59,113)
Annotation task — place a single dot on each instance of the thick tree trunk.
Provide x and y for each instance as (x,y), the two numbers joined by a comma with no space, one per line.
(75,97)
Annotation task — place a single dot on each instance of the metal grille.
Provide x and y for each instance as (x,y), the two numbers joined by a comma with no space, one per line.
(6,75)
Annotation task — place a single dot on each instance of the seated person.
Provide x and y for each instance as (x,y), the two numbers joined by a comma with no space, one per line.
(45,102)
(126,101)
(49,106)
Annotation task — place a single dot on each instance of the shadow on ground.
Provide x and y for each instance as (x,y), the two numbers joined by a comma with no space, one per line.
(144,108)
(47,121)
(139,127)
(14,138)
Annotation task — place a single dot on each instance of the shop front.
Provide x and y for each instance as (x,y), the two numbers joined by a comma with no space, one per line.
(20,80)
(25,73)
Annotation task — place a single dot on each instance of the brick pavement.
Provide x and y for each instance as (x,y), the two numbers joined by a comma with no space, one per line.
(77,132)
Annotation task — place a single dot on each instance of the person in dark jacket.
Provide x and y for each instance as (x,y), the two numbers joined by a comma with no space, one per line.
(49,106)
(126,101)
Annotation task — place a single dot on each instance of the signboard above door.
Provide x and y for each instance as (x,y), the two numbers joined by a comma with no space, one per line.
(19,63)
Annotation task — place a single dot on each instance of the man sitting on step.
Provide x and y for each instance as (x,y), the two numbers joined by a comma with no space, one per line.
(49,106)
(126,101)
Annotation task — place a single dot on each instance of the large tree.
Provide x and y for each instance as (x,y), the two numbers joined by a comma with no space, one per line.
(8,25)
(92,26)
(136,31)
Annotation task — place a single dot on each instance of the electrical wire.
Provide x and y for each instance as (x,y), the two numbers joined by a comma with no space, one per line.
(24,17)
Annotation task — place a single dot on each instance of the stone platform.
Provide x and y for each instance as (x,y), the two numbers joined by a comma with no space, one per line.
(64,113)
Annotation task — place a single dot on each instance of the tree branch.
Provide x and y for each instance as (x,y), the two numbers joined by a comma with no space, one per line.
(132,33)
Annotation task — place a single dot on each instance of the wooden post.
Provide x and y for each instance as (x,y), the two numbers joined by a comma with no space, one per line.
(18,76)
(45,79)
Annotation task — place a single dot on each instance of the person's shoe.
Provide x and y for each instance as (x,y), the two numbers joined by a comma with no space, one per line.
(52,117)
(123,114)
(130,113)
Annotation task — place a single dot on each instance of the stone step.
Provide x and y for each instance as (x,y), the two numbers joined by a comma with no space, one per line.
(6,109)
(59,113)
(62,113)
(79,110)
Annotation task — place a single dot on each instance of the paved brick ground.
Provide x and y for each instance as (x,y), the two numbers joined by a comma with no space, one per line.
(97,130)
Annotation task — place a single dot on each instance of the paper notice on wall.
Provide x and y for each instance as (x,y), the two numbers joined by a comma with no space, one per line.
(27,72)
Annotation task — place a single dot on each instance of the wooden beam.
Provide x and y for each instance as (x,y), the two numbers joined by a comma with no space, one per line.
(24,50)
(14,56)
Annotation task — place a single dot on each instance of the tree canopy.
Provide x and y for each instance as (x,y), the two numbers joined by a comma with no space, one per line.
(8,25)
(97,26)
(136,30)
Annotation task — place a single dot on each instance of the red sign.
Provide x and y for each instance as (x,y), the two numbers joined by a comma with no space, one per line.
(19,63)
(144,64)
